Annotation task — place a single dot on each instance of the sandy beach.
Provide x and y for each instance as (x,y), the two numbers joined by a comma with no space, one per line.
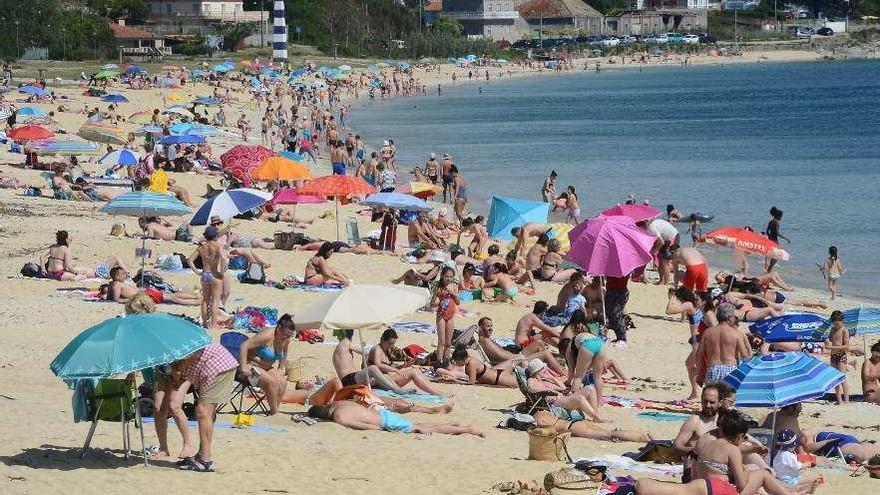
(40,449)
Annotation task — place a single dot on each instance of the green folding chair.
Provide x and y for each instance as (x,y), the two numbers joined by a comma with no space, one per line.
(114,400)
(533,400)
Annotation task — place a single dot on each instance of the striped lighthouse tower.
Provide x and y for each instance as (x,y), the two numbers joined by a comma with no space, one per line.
(279,33)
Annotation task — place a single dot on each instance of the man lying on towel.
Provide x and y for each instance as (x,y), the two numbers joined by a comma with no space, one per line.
(358,417)
(118,290)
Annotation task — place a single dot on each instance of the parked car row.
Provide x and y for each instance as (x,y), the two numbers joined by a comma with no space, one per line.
(611,41)
(808,32)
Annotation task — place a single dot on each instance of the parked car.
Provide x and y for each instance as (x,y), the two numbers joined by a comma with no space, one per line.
(825,31)
(691,39)
(662,38)
(628,40)
(651,38)
(594,40)
(805,32)
(675,37)
(706,38)
(611,41)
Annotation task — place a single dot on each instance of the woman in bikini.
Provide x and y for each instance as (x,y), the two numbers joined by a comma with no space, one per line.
(549,270)
(584,354)
(267,351)
(696,310)
(833,269)
(498,277)
(58,262)
(445,297)
(459,189)
(319,272)
(463,367)
(381,356)
(573,208)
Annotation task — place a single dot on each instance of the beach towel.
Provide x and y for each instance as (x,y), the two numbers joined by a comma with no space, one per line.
(662,416)
(414,326)
(434,399)
(296,283)
(255,318)
(227,426)
(85,295)
(619,462)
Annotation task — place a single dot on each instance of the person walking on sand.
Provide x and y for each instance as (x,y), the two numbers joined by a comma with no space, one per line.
(548,189)
(833,269)
(722,346)
(214,264)
(774,234)
(572,207)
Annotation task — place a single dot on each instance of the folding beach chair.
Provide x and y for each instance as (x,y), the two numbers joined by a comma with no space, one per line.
(351,230)
(113,400)
(468,338)
(534,400)
(232,342)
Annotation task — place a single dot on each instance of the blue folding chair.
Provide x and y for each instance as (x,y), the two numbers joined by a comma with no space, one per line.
(232,342)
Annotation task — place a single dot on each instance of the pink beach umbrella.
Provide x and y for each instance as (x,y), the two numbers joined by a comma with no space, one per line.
(611,246)
(291,197)
(638,213)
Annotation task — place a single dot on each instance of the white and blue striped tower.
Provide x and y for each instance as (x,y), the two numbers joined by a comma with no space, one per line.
(279,33)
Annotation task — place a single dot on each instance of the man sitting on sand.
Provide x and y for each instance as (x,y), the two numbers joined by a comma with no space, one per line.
(119,291)
(343,363)
(357,417)
(696,426)
(530,329)
(380,356)
(497,354)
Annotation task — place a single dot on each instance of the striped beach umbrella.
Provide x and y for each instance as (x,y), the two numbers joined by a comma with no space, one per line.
(65,147)
(861,321)
(780,379)
(228,204)
(120,157)
(143,117)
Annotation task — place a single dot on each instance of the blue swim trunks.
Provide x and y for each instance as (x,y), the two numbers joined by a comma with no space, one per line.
(391,421)
(338,169)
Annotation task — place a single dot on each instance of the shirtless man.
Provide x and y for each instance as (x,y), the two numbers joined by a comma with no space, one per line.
(492,258)
(343,363)
(418,237)
(516,268)
(214,264)
(537,252)
(531,330)
(497,354)
(531,229)
(697,426)
(722,346)
(118,290)
(402,374)
(871,375)
(696,276)
(358,417)
(475,228)
(337,158)
(157,229)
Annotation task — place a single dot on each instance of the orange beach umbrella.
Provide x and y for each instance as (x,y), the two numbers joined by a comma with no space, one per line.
(338,186)
(280,168)
(746,241)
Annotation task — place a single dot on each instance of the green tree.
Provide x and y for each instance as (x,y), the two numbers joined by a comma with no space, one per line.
(43,23)
(447,26)
(135,9)
(234,32)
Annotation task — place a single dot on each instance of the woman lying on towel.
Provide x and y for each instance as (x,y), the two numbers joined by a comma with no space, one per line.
(465,368)
(719,469)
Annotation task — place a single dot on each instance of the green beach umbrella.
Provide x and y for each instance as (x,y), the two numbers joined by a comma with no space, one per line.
(127,344)
(106,74)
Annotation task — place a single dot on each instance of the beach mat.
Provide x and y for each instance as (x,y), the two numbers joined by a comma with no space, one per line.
(662,416)
(434,399)
(413,326)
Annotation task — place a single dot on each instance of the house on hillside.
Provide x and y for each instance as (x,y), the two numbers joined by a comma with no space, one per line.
(644,22)
(484,18)
(670,4)
(557,15)
(136,42)
(185,17)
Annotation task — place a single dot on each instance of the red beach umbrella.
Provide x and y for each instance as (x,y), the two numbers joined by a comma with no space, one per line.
(29,133)
(747,241)
(338,186)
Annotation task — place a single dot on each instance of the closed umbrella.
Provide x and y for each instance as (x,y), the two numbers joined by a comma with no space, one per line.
(337,186)
(507,213)
(228,204)
(396,201)
(114,98)
(120,157)
(29,133)
(803,327)
(280,168)
(746,241)
(638,213)
(362,307)
(144,204)
(183,139)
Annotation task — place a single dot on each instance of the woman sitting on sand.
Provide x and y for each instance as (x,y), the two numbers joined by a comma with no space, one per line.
(463,367)
(267,351)
(548,270)
(57,262)
(318,270)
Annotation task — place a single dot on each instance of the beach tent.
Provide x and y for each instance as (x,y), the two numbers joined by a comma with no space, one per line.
(507,213)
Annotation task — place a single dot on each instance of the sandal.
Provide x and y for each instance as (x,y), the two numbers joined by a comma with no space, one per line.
(183,461)
(198,465)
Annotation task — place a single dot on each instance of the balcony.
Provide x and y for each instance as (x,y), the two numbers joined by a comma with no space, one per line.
(210,16)
(482,15)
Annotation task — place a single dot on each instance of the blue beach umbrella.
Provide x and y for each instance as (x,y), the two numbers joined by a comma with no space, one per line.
(229,203)
(861,321)
(199,73)
(507,213)
(120,157)
(127,344)
(221,68)
(397,201)
(114,99)
(134,70)
(183,139)
(803,327)
(31,112)
(194,129)
(290,155)
(33,90)
(780,379)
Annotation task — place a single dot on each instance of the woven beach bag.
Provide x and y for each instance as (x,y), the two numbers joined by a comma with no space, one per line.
(545,444)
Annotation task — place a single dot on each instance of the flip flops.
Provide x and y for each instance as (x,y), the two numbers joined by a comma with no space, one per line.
(196,464)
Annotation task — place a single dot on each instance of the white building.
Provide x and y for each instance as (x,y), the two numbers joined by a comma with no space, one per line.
(204,9)
(484,18)
(669,4)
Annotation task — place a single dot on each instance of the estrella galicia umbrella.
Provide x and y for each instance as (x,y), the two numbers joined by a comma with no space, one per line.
(230,203)
(507,213)
(802,327)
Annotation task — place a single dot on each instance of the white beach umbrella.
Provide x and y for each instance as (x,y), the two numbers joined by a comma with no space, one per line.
(363,307)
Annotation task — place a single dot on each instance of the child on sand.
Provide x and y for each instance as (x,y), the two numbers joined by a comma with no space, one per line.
(446,298)
(833,269)
(838,344)
(786,464)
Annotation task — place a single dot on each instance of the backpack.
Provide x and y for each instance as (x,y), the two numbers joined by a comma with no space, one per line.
(286,240)
(254,274)
(153,280)
(32,270)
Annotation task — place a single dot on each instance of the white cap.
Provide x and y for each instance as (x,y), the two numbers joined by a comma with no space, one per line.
(384,143)
(433,156)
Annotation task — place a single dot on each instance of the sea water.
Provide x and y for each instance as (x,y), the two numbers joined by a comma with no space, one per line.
(730,141)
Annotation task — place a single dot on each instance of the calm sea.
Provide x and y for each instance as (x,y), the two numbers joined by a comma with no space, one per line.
(730,141)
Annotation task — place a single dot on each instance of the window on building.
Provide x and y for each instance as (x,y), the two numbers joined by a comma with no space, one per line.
(195,8)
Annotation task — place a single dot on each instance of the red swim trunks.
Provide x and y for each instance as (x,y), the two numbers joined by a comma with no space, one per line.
(156,295)
(696,277)
(718,486)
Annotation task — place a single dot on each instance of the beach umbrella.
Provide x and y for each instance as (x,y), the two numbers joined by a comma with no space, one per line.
(396,201)
(861,321)
(337,186)
(114,98)
(102,133)
(288,196)
(507,213)
(143,117)
(362,307)
(801,327)
(241,159)
(148,129)
(609,246)
(194,129)
(109,67)
(280,168)
(229,203)
(290,155)
(134,70)
(419,189)
(221,68)
(183,112)
(344,68)
(33,90)
(638,213)
(183,139)
(746,241)
(176,97)
(204,100)
(143,204)
(106,74)
(65,147)
(29,133)
(30,112)
(120,157)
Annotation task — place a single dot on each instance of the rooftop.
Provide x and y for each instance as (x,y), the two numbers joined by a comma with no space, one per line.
(557,8)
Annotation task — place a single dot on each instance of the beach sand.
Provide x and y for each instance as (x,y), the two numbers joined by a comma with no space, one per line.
(39,452)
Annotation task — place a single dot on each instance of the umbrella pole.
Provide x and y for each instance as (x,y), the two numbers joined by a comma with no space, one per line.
(604,313)
(773,433)
(143,255)
(336,200)
(140,423)
(364,359)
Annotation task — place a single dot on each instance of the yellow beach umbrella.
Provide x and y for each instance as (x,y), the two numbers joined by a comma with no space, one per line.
(280,168)
(176,97)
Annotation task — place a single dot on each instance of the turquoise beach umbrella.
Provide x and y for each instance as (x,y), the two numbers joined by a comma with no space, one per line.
(127,344)
(507,213)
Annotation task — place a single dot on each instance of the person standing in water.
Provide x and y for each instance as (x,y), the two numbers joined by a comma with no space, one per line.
(548,189)
(833,269)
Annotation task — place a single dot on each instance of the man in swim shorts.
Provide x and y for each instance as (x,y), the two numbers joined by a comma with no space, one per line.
(358,417)
(696,276)
(722,346)
(118,290)
(337,158)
